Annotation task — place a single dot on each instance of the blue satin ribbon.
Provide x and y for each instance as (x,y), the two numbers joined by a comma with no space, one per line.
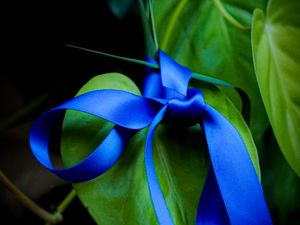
(232,193)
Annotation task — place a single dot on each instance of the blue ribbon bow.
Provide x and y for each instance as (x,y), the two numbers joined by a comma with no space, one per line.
(232,193)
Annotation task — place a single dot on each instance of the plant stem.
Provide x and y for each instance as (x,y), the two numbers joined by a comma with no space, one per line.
(151,51)
(172,22)
(28,203)
(228,17)
(27,109)
(196,76)
(153,25)
(137,61)
(65,203)
(212,80)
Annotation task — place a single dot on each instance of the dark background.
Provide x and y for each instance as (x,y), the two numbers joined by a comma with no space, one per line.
(34,62)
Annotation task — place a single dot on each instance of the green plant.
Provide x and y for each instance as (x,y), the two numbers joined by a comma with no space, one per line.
(253,45)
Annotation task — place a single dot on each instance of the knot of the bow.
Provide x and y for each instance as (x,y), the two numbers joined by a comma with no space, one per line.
(170,87)
(186,111)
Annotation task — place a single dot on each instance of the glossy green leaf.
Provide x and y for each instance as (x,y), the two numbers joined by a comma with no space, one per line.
(198,36)
(120,196)
(276,51)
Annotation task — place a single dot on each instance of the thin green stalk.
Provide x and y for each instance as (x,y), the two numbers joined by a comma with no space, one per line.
(153,24)
(151,51)
(14,118)
(29,204)
(137,61)
(22,113)
(173,19)
(212,80)
(65,203)
(228,17)
(196,76)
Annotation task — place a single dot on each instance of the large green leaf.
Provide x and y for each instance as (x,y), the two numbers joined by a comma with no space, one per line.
(203,40)
(276,51)
(120,196)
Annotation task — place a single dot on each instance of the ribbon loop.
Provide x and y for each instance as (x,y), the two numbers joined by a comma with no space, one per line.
(129,111)
(173,75)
